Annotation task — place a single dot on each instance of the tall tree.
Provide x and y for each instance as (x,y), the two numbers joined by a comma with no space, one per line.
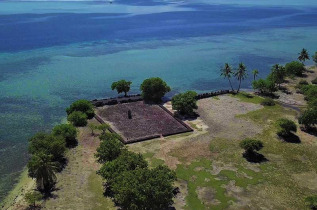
(43,169)
(255,73)
(122,86)
(278,74)
(226,72)
(241,74)
(153,89)
(303,56)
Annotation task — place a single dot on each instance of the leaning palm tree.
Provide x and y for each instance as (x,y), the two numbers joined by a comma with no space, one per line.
(241,74)
(226,72)
(255,73)
(303,55)
(43,169)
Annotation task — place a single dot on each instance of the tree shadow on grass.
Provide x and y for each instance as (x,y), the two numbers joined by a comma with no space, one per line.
(291,138)
(311,130)
(191,117)
(269,95)
(254,157)
(37,207)
(285,90)
(72,144)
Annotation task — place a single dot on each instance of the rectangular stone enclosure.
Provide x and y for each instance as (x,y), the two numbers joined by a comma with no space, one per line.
(138,121)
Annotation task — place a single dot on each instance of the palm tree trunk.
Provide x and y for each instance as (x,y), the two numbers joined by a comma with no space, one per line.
(231,85)
(239,86)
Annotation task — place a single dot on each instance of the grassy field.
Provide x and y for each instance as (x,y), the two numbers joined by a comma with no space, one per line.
(212,172)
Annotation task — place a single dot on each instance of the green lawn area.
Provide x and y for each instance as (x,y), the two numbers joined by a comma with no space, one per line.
(283,180)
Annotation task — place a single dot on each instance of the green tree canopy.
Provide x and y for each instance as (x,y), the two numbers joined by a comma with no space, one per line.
(83,106)
(278,74)
(68,132)
(308,118)
(92,128)
(32,197)
(122,86)
(109,150)
(145,188)
(251,145)
(265,86)
(103,127)
(48,144)
(126,161)
(43,169)
(77,118)
(153,89)
(295,68)
(285,127)
(185,103)
(303,55)
(311,202)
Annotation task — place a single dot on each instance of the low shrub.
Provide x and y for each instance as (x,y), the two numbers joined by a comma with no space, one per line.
(286,126)
(295,68)
(311,202)
(251,145)
(185,103)
(308,118)
(68,132)
(77,118)
(82,106)
(268,102)
(109,150)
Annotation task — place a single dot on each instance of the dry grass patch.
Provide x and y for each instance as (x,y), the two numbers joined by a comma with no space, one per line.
(220,116)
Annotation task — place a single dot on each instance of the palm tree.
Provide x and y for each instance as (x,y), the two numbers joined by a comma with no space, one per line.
(255,73)
(42,168)
(241,74)
(226,72)
(303,55)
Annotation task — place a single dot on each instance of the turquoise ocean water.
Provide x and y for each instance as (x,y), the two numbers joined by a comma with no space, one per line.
(52,53)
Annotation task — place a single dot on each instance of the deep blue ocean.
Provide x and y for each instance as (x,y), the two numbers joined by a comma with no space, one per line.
(52,53)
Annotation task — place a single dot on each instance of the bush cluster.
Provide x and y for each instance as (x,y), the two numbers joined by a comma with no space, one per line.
(295,68)
(153,89)
(185,103)
(129,180)
(47,152)
(268,102)
(79,111)
(272,82)
(309,117)
(285,127)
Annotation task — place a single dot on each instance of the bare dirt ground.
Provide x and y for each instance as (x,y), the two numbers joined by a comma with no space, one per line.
(220,116)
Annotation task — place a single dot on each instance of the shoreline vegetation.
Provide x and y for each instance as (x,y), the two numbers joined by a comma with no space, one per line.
(228,156)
